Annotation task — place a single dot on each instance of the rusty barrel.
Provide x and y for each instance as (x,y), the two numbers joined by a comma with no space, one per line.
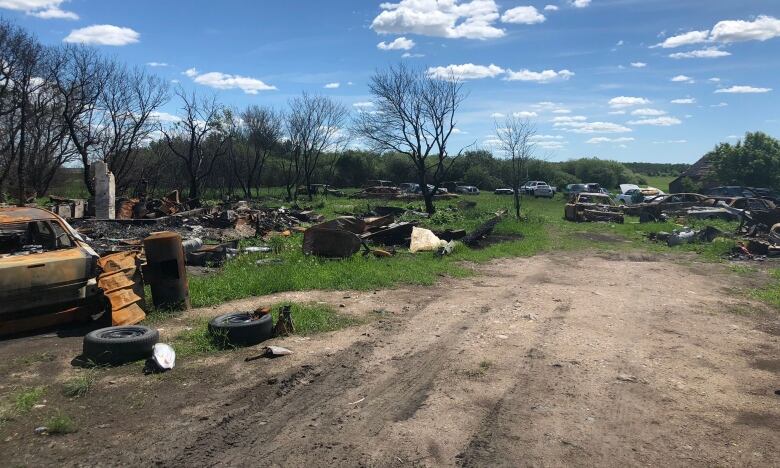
(165,270)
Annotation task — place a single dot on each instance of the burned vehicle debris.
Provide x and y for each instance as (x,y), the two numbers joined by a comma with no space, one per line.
(586,206)
(45,266)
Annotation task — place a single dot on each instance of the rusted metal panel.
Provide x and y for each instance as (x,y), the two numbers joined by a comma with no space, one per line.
(122,285)
(18,214)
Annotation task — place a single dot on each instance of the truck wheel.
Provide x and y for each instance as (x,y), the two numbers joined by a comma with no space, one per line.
(241,329)
(117,345)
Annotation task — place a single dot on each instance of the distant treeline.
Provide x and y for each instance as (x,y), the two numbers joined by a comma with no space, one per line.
(354,168)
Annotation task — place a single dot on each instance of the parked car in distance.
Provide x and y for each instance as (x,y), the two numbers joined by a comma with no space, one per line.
(632,194)
(504,191)
(439,191)
(573,189)
(543,190)
(44,264)
(379,183)
(731,191)
(529,186)
(467,190)
(409,187)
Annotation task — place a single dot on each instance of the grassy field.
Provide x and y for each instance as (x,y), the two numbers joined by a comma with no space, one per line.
(659,182)
(542,229)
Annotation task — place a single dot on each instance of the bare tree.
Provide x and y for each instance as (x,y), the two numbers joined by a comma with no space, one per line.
(314,126)
(515,136)
(290,165)
(128,101)
(80,75)
(251,144)
(413,114)
(198,139)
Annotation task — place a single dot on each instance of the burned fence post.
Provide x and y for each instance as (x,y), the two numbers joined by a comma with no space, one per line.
(165,270)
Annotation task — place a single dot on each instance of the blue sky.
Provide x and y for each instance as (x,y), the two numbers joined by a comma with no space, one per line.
(632,80)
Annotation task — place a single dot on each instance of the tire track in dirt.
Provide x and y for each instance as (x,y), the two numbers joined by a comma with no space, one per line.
(493,441)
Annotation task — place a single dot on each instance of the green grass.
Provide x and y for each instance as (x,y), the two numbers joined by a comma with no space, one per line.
(309,319)
(24,399)
(659,182)
(771,293)
(80,385)
(543,229)
(60,424)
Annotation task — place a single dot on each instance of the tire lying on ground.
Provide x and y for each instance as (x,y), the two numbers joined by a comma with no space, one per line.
(117,345)
(241,329)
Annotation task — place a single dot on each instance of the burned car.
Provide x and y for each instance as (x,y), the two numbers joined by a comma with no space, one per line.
(592,207)
(669,204)
(45,265)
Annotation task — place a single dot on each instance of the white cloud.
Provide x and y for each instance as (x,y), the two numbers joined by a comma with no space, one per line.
(683,101)
(658,121)
(103,34)
(497,115)
(561,111)
(545,137)
(732,137)
(670,142)
(466,71)
(221,80)
(580,3)
(627,101)
(743,90)
(761,29)
(720,104)
(638,64)
(647,112)
(689,38)
(363,104)
(44,9)
(715,80)
(163,117)
(597,140)
(540,77)
(410,55)
(444,18)
(682,79)
(523,15)
(594,127)
(333,85)
(525,114)
(579,124)
(400,43)
(710,52)
(550,8)
(551,145)
(157,64)
(617,112)
(54,13)
(569,118)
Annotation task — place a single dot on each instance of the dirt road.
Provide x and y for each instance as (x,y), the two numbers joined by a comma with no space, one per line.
(559,360)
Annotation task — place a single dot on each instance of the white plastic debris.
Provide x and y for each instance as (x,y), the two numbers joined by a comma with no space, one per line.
(424,240)
(276,351)
(164,356)
(256,249)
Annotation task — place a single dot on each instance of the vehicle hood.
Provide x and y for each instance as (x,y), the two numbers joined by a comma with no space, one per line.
(626,187)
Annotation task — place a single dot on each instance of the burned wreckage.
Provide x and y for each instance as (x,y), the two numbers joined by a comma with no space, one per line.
(592,207)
